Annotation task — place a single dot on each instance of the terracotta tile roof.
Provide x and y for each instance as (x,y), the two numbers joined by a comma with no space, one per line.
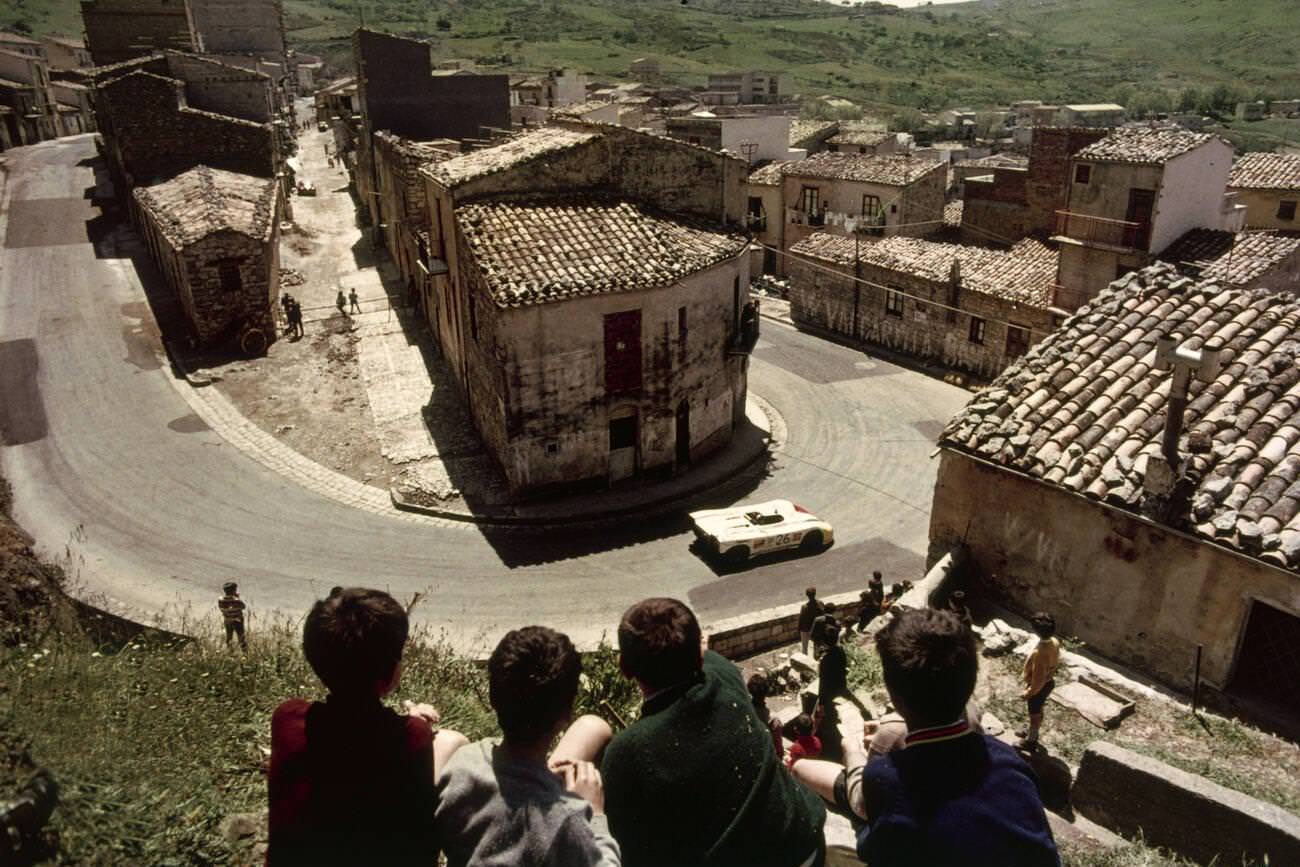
(535,145)
(804,131)
(1024,274)
(204,200)
(540,251)
(1227,259)
(770,174)
(897,171)
(581,108)
(1146,146)
(994,161)
(1085,409)
(1263,171)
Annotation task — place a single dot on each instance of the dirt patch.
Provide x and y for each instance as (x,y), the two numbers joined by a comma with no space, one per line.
(309,394)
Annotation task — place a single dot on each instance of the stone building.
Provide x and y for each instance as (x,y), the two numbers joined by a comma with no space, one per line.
(754,138)
(399,91)
(25,90)
(1268,185)
(591,300)
(216,239)
(972,309)
(846,194)
(164,114)
(812,136)
(753,88)
(1009,202)
(19,44)
(118,30)
(66,53)
(860,138)
(1102,115)
(1134,193)
(1143,563)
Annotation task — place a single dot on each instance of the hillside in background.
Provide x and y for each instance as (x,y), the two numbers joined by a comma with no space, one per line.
(1144,52)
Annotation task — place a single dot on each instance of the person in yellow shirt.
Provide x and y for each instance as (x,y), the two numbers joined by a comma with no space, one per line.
(1039,668)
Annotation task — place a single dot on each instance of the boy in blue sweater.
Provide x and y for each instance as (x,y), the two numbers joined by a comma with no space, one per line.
(952,797)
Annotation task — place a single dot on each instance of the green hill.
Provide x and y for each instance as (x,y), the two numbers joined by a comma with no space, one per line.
(1143,51)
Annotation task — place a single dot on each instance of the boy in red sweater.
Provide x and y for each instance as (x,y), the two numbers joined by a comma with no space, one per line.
(351,780)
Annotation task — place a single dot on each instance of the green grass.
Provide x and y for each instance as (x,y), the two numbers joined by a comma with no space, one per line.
(1261,135)
(1145,52)
(155,744)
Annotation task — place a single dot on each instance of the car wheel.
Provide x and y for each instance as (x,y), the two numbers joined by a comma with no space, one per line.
(812,541)
(738,555)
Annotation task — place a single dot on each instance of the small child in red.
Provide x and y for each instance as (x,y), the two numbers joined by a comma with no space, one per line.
(806,744)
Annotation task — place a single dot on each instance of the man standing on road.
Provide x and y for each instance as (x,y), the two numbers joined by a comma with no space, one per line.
(341,302)
(232,614)
(294,312)
(354,303)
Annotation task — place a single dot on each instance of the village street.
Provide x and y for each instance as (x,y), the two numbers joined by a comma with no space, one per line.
(114,466)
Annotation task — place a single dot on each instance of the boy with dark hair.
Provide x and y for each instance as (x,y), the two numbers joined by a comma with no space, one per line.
(806,743)
(808,612)
(1039,668)
(232,613)
(759,689)
(503,801)
(695,780)
(351,781)
(953,796)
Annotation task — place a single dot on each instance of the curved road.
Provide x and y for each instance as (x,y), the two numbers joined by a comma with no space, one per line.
(154,511)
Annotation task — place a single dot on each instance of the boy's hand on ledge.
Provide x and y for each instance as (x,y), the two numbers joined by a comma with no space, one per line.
(583,780)
(426,712)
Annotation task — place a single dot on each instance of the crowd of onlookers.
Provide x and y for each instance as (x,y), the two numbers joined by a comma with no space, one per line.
(703,777)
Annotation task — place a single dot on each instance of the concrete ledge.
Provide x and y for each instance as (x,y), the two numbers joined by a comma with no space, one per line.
(1188,814)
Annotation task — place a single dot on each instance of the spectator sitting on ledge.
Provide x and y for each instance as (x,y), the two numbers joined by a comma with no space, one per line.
(351,781)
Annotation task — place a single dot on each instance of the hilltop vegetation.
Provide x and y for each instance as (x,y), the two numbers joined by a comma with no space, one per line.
(1142,51)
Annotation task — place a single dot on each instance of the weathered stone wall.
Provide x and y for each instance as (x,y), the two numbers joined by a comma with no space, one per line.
(1047,187)
(118,30)
(1084,271)
(157,139)
(223,89)
(536,377)
(825,299)
(398,92)
(1135,591)
(240,26)
(1182,812)
(921,205)
(994,210)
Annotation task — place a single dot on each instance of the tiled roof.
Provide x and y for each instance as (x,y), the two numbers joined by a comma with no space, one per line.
(849,135)
(1024,274)
(489,160)
(770,174)
(994,161)
(1227,259)
(1264,171)
(1153,146)
(581,108)
(1085,409)
(895,171)
(802,131)
(204,200)
(540,251)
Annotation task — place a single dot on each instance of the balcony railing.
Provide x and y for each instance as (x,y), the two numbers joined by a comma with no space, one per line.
(1099,230)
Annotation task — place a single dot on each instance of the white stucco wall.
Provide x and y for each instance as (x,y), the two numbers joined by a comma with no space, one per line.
(1191,193)
(771,134)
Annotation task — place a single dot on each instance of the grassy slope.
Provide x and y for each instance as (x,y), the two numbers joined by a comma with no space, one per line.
(1061,50)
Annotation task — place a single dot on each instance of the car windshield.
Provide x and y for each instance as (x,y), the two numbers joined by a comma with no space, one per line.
(760,518)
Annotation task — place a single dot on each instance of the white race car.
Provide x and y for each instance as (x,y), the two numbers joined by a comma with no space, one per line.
(740,532)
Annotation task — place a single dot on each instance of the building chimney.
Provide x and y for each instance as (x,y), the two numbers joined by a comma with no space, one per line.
(1185,363)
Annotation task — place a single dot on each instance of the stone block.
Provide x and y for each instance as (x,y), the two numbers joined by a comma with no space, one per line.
(803,663)
(1098,705)
(1183,812)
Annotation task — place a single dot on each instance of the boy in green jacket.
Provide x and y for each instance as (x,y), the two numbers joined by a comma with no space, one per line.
(695,781)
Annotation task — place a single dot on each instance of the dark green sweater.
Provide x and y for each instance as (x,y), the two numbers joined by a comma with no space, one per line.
(695,781)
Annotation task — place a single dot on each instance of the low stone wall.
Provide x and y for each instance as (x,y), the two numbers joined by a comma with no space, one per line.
(740,637)
(1188,814)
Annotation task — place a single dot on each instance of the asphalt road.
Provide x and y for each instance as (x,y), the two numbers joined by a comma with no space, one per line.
(152,510)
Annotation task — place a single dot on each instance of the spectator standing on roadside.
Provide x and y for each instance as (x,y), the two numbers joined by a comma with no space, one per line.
(821,627)
(810,611)
(341,302)
(295,318)
(232,614)
(354,303)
